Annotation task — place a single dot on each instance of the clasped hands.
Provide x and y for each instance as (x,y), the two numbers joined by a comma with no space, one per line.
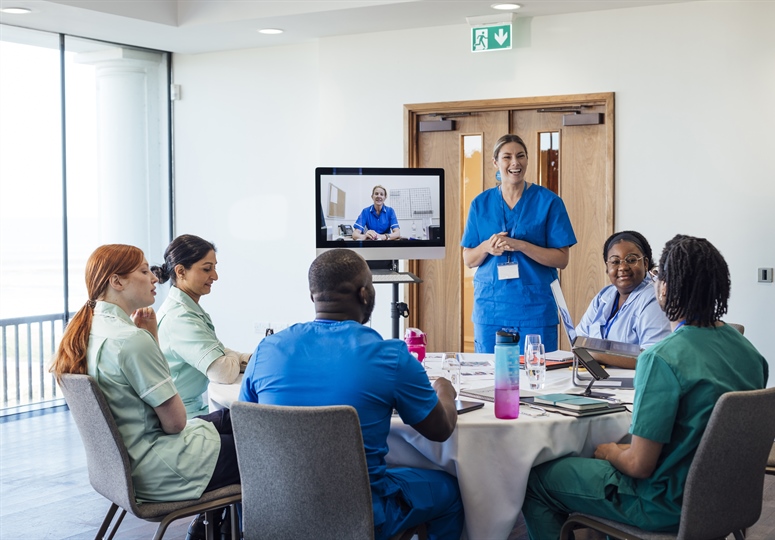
(372,235)
(501,242)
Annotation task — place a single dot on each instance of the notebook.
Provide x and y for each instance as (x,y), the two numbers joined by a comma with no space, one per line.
(570,401)
(488,394)
(608,346)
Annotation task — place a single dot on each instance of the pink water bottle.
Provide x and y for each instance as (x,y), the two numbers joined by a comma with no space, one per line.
(415,340)
(506,374)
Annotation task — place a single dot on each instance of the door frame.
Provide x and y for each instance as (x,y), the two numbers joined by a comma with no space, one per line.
(411,130)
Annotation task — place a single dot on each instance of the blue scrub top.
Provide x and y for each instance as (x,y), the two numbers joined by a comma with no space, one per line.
(539,217)
(382,224)
(343,363)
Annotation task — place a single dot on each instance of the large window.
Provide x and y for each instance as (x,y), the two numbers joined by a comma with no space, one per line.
(84,161)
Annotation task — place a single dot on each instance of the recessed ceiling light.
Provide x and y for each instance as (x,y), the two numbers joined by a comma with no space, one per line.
(505,7)
(16,10)
(270,31)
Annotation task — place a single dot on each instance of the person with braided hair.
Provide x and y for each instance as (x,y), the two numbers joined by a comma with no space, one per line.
(627,309)
(186,332)
(677,384)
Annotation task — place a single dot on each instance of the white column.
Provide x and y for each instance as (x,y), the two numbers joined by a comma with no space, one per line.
(132,185)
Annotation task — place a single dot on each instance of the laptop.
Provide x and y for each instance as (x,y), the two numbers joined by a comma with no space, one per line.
(618,348)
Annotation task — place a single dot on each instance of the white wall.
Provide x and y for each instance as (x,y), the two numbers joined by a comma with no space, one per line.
(694,85)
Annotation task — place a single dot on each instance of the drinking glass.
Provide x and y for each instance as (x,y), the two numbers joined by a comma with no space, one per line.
(535,365)
(531,339)
(451,371)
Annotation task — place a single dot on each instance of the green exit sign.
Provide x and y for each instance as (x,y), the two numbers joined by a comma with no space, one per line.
(491,38)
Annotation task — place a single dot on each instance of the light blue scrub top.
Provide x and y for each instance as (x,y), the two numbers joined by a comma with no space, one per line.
(539,218)
(640,320)
(382,224)
(188,341)
(131,371)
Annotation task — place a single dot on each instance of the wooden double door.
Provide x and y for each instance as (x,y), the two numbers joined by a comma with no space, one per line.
(576,161)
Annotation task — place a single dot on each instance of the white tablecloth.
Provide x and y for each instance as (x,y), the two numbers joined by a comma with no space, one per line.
(491,457)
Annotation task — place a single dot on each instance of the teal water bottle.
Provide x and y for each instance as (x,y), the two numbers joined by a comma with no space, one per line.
(506,374)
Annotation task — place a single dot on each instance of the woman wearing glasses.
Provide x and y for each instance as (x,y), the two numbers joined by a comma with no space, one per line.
(627,309)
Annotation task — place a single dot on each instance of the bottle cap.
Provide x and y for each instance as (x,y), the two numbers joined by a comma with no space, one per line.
(505,337)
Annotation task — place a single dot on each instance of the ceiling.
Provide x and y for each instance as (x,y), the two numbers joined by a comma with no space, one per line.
(197,26)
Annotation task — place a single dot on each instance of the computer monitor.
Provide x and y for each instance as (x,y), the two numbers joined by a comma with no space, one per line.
(416,196)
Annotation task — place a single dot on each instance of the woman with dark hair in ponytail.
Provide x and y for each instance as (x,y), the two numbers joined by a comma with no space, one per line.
(113,338)
(627,309)
(186,333)
(677,384)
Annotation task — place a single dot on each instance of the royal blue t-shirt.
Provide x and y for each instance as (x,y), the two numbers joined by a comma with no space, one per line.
(342,363)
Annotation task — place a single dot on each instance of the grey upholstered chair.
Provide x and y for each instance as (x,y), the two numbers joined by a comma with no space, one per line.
(110,473)
(304,473)
(718,500)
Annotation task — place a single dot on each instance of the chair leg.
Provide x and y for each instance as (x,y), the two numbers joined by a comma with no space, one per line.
(106,523)
(235,530)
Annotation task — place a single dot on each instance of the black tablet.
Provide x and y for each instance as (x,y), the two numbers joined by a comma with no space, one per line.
(467,406)
(586,360)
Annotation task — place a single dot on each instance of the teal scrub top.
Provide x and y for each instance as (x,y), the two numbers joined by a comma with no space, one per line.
(188,341)
(677,384)
(134,377)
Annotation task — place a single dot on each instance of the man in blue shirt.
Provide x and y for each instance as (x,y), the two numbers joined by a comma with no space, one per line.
(335,360)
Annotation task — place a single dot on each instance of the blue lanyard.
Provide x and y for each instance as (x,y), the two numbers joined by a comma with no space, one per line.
(615,309)
(680,324)
(513,232)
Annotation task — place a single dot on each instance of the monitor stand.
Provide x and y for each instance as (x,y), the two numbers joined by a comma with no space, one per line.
(397,309)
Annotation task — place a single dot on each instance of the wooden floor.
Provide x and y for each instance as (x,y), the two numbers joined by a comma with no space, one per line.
(45,491)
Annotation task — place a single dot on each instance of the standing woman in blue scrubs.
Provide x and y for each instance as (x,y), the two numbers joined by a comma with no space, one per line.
(517,235)
(186,333)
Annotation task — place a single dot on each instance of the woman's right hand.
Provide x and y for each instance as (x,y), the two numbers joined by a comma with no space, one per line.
(495,245)
(145,318)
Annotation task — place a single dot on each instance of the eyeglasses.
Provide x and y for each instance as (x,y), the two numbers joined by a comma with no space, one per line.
(654,273)
(629,260)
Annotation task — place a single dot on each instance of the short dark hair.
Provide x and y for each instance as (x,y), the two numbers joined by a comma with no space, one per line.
(506,139)
(186,249)
(336,272)
(697,278)
(630,236)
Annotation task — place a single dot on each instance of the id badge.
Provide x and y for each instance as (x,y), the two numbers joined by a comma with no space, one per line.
(508,270)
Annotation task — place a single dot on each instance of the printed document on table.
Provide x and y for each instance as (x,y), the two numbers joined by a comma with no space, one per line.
(476,366)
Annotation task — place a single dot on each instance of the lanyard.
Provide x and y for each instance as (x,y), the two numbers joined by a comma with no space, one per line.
(680,324)
(614,310)
(513,232)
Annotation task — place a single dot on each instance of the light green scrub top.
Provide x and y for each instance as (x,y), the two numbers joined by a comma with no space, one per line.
(130,370)
(677,384)
(188,341)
